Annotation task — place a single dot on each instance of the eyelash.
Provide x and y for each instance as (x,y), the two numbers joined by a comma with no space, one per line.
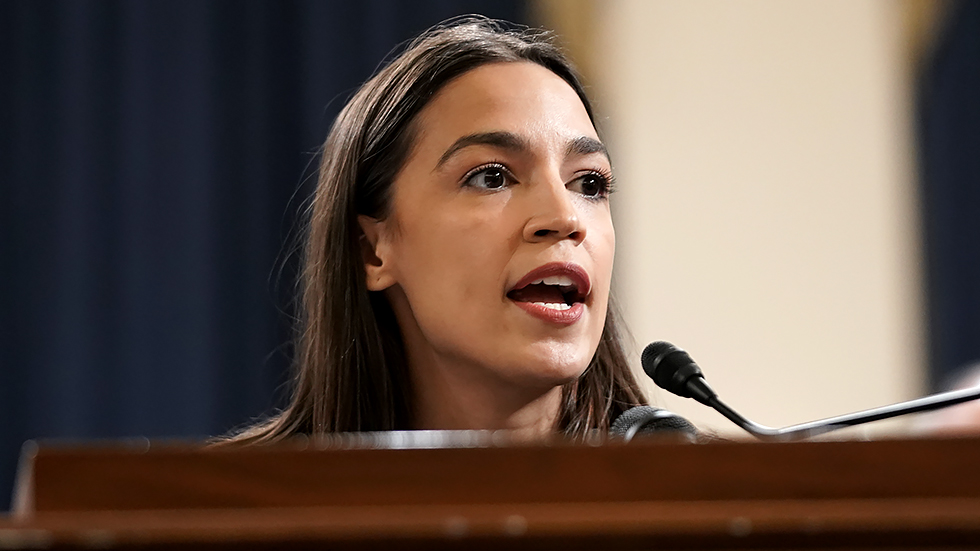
(607,185)
(607,181)
(508,175)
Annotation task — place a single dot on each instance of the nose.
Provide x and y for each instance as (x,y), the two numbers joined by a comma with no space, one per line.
(554,215)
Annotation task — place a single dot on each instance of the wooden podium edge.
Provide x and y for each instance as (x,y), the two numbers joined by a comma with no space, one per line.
(910,523)
(911,494)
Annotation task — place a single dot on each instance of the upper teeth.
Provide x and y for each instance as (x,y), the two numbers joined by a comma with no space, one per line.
(555,306)
(563,281)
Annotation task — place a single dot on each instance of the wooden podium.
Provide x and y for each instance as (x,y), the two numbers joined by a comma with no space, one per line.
(643,495)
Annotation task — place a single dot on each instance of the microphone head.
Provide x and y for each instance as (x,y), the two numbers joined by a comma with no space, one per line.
(669,367)
(647,420)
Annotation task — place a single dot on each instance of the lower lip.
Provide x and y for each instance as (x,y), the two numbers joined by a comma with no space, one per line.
(558,317)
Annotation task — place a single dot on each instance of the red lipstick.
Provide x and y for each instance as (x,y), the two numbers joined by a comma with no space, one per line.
(554,292)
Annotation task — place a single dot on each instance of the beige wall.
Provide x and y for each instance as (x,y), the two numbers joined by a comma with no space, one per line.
(766,216)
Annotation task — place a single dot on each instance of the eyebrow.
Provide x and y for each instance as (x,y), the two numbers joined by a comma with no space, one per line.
(512,142)
(503,140)
(585,146)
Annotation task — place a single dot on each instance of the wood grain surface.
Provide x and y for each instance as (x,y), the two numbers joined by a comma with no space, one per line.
(645,495)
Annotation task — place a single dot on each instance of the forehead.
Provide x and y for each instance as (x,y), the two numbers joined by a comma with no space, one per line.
(520,97)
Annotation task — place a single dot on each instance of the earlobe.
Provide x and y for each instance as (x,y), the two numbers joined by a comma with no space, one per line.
(374,253)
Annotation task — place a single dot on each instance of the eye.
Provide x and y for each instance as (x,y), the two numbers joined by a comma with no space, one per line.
(592,184)
(490,177)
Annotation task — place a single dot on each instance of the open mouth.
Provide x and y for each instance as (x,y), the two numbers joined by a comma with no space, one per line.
(555,292)
(559,292)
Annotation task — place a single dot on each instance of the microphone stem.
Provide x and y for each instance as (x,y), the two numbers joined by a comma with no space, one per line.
(813,428)
(755,429)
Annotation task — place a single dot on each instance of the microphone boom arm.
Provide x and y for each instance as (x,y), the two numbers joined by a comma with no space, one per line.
(822,426)
(674,370)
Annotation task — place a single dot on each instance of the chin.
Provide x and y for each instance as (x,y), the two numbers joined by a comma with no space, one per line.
(553,365)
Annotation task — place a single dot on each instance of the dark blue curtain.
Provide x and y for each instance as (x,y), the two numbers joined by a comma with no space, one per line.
(950,153)
(153,156)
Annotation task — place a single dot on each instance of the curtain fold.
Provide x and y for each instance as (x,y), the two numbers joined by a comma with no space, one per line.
(949,132)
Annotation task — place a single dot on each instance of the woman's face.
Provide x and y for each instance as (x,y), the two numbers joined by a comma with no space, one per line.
(498,249)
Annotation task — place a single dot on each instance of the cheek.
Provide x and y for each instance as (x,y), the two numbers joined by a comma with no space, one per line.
(602,245)
(461,253)
(602,249)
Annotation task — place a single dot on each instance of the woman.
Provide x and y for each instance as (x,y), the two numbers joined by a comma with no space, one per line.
(460,249)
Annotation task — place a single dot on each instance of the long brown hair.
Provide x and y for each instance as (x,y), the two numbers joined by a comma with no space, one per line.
(351,371)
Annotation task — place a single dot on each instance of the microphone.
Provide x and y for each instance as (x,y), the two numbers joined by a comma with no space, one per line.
(672,369)
(648,420)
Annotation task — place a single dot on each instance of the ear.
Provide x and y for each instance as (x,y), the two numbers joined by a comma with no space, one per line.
(375,253)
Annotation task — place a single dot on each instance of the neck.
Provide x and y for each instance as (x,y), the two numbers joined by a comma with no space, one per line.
(459,398)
